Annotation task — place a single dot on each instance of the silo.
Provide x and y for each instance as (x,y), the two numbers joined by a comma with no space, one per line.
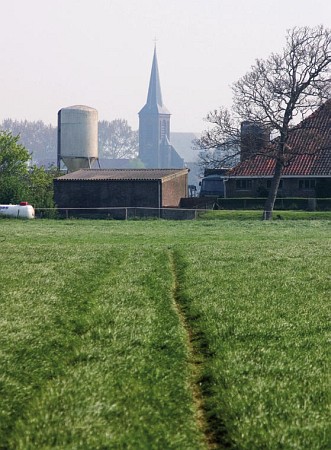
(77,137)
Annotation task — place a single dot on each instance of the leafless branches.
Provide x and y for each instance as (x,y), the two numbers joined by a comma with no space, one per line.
(286,87)
(277,93)
(117,139)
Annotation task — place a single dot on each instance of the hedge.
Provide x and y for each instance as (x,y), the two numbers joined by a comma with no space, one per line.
(293,203)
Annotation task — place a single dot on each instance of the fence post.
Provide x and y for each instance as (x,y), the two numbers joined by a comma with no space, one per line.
(311,204)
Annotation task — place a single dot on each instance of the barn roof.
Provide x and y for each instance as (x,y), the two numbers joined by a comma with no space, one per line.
(309,142)
(123,174)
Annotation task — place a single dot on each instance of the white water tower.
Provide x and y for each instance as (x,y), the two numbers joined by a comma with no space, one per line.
(77,143)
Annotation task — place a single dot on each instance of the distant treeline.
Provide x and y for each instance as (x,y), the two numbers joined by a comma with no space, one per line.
(116,139)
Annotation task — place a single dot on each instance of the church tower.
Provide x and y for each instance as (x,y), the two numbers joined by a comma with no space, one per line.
(155,150)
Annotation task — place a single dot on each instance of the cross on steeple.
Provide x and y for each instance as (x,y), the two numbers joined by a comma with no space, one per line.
(154,98)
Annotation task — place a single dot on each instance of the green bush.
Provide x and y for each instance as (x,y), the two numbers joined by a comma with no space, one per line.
(323,204)
(291,203)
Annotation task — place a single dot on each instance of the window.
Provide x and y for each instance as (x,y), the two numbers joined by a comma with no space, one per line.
(307,184)
(243,184)
(163,128)
(279,187)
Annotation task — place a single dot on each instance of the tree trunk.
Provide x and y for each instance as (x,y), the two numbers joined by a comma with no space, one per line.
(269,204)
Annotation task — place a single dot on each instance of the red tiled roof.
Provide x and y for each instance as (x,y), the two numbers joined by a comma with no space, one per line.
(122,174)
(309,150)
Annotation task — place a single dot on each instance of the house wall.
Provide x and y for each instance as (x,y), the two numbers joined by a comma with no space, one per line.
(233,192)
(103,194)
(173,190)
(258,187)
(295,187)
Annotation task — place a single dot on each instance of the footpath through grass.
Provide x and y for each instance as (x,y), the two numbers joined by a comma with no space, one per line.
(94,352)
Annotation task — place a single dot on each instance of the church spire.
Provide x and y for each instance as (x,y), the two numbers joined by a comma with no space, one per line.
(155,150)
(154,98)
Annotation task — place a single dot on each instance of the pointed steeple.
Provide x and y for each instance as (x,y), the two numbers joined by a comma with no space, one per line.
(155,150)
(154,98)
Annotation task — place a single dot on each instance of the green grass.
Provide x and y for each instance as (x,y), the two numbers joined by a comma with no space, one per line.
(257,215)
(265,317)
(112,331)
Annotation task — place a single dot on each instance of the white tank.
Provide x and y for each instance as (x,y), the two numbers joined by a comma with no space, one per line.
(77,136)
(21,211)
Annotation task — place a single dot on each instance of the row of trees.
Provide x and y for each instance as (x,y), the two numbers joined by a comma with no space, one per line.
(40,139)
(277,93)
(116,139)
(25,145)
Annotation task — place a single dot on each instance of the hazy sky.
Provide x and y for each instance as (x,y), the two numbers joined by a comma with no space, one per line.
(58,53)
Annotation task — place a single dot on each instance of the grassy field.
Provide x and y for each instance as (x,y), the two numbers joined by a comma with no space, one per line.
(165,335)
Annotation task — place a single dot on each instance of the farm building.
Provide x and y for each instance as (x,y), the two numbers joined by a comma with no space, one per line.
(117,188)
(308,173)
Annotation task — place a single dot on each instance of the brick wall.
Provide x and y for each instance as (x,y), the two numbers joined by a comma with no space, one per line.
(173,190)
(119,193)
(290,188)
(98,194)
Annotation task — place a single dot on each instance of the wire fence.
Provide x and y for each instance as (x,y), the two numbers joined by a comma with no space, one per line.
(120,213)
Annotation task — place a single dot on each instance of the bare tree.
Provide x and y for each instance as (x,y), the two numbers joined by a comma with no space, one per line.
(277,93)
(117,139)
(37,137)
(220,145)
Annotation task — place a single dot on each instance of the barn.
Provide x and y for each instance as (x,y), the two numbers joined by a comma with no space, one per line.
(121,188)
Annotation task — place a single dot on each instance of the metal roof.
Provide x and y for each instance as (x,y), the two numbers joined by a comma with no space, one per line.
(123,174)
(80,108)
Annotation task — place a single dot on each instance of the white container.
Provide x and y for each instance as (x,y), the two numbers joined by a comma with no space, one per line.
(78,136)
(21,211)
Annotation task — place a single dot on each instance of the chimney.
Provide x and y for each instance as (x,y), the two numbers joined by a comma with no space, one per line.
(253,138)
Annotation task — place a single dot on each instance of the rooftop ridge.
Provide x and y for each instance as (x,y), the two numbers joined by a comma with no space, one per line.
(310,142)
(122,174)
